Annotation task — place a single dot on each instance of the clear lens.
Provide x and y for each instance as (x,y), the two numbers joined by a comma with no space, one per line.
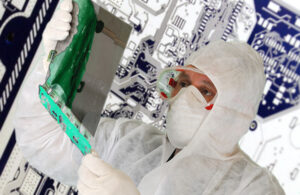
(171,80)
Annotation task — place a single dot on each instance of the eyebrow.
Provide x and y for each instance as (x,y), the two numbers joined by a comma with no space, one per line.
(209,83)
(182,74)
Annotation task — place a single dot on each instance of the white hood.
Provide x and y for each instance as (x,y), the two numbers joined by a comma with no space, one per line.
(237,72)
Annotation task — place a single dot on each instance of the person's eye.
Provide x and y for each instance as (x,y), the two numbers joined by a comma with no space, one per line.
(206,92)
(183,84)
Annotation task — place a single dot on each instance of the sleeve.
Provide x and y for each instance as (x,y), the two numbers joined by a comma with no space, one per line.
(110,131)
(45,145)
(263,183)
(41,140)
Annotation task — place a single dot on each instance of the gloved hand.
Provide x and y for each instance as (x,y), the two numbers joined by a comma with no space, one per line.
(57,29)
(97,177)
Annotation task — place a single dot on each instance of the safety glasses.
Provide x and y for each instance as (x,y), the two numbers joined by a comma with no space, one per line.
(171,80)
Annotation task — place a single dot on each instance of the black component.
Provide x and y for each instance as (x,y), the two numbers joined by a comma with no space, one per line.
(99,26)
(137,28)
(7,151)
(54,113)
(172,156)
(61,123)
(10,37)
(253,125)
(75,139)
(60,119)
(81,85)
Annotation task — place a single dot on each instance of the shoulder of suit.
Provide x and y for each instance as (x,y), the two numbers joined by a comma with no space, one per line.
(254,173)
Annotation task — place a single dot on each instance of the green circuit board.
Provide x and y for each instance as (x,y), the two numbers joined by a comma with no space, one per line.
(65,73)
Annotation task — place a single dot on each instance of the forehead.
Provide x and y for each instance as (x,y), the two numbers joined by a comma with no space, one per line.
(191,66)
(195,77)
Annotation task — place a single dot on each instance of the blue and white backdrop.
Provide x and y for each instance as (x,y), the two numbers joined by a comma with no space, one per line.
(164,33)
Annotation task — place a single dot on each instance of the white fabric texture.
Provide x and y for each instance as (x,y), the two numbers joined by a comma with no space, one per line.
(187,107)
(97,177)
(211,163)
(39,137)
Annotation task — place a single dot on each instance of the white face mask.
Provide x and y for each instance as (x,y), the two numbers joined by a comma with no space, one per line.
(187,111)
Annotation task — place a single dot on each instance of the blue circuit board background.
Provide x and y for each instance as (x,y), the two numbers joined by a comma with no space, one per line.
(274,36)
(269,38)
(14,51)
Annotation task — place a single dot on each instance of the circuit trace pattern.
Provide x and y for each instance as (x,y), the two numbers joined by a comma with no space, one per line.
(276,37)
(163,37)
(272,141)
(21,27)
(164,34)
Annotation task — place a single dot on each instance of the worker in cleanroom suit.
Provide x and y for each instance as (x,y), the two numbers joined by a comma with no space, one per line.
(198,154)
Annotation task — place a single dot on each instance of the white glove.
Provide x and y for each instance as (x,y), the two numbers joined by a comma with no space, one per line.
(57,29)
(97,177)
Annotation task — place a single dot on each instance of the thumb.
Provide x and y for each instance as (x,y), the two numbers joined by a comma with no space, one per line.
(96,165)
(94,153)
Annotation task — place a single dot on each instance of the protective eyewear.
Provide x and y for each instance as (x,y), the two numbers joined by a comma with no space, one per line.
(171,80)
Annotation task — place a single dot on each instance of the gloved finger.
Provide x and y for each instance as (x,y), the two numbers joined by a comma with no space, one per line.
(46,64)
(62,16)
(96,165)
(50,45)
(66,5)
(97,192)
(54,34)
(59,25)
(87,177)
(83,189)
(94,153)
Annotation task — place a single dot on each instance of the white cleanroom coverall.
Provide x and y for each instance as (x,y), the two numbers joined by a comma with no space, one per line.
(210,163)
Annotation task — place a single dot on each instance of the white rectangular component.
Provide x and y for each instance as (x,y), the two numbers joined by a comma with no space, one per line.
(2,70)
(124,62)
(10,168)
(161,48)
(276,101)
(273,6)
(2,10)
(287,38)
(297,44)
(267,86)
(270,26)
(19,4)
(131,45)
(282,89)
(297,23)
(279,95)
(260,21)
(265,24)
(30,182)
(293,40)
(131,102)
(169,32)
